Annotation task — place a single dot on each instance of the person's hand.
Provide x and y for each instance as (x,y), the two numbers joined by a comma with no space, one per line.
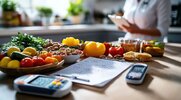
(132,28)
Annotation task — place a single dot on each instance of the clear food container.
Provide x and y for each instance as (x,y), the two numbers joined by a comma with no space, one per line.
(130,45)
(155,48)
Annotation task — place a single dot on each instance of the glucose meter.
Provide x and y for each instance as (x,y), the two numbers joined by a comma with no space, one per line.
(137,73)
(50,86)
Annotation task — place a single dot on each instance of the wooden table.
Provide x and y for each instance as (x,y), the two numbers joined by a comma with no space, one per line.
(163,82)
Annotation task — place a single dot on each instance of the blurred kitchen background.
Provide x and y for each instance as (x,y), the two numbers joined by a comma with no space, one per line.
(60,12)
(23,13)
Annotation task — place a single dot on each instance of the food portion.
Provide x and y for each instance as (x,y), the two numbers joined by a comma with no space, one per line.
(135,56)
(153,47)
(24,51)
(130,45)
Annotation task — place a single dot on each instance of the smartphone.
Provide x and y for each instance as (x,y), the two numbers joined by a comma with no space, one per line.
(137,73)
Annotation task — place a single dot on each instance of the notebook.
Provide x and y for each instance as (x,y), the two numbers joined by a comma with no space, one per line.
(93,71)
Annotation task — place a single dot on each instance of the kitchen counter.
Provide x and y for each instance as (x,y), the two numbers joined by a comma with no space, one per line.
(68,28)
(163,82)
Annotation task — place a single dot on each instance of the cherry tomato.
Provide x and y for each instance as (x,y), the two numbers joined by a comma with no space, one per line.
(44,55)
(107,45)
(38,61)
(26,62)
(58,57)
(49,60)
(2,55)
(116,51)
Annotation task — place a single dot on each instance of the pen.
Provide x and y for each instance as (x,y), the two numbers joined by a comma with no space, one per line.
(73,77)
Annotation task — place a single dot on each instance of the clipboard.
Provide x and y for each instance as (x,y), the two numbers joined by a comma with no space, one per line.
(119,20)
(93,71)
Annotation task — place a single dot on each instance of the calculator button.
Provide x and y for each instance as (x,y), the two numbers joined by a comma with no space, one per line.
(58,83)
(54,83)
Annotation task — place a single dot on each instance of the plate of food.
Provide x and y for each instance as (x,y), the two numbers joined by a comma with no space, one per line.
(25,54)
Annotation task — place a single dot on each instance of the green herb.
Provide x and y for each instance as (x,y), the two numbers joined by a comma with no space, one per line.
(24,40)
(75,8)
(44,11)
(8,5)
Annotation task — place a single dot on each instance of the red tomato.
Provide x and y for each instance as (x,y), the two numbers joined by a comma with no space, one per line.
(1,56)
(116,51)
(107,45)
(26,62)
(38,61)
(44,55)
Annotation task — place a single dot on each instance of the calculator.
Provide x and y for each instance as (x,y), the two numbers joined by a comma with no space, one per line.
(137,73)
(50,86)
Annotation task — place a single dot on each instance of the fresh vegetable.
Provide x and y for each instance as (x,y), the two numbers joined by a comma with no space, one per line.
(2,55)
(23,40)
(4,62)
(58,57)
(13,64)
(159,44)
(116,51)
(26,62)
(12,49)
(49,60)
(70,41)
(153,47)
(31,50)
(18,55)
(26,53)
(38,61)
(45,54)
(107,45)
(95,49)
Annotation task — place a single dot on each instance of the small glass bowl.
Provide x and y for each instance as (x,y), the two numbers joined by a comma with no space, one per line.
(71,58)
(130,45)
(154,48)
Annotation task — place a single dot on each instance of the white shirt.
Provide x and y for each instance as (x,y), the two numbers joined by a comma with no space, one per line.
(148,14)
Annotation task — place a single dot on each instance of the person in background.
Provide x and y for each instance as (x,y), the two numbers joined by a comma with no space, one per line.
(148,19)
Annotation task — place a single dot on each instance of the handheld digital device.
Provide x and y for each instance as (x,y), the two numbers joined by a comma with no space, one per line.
(119,20)
(137,73)
(50,86)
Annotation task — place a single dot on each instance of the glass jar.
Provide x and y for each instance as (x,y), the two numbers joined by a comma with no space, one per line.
(154,48)
(130,45)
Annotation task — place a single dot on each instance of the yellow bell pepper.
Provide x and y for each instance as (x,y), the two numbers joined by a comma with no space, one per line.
(70,41)
(94,49)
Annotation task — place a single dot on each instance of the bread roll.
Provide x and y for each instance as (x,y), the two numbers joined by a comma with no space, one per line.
(135,56)
(143,56)
(129,56)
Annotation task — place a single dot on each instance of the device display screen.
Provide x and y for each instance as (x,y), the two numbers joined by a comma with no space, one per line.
(139,69)
(136,72)
(41,81)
